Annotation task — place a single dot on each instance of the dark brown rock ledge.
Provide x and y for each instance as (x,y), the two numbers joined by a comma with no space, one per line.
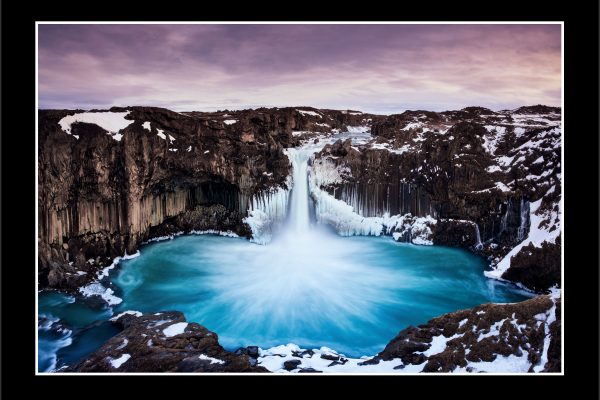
(164,342)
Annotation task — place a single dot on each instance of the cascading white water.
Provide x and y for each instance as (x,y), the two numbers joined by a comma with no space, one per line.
(524,218)
(478,244)
(299,216)
(346,218)
(504,220)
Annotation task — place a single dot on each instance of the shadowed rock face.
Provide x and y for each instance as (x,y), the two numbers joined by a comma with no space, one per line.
(164,342)
(536,268)
(100,197)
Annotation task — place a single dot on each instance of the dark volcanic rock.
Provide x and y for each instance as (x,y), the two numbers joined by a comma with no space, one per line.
(456,233)
(483,334)
(331,357)
(475,171)
(163,342)
(554,350)
(536,267)
(291,364)
(308,370)
(253,351)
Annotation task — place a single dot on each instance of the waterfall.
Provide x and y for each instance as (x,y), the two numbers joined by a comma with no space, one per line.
(299,218)
(524,219)
(347,217)
(505,216)
(478,244)
(268,209)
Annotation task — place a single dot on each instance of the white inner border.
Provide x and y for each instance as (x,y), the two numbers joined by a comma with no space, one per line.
(562,163)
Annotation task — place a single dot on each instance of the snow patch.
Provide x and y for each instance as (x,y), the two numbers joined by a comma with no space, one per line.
(215,232)
(490,141)
(161,238)
(502,187)
(175,329)
(501,364)
(117,362)
(274,358)
(128,312)
(505,161)
(438,344)
(359,129)
(211,359)
(97,289)
(105,271)
(112,122)
(313,113)
(412,125)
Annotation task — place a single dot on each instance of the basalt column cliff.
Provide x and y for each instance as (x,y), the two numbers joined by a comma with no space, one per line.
(109,180)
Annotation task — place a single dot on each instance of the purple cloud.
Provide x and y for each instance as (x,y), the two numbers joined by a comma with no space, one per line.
(377,68)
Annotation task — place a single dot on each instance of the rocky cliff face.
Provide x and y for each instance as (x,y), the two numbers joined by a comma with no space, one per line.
(485,180)
(109,180)
(489,180)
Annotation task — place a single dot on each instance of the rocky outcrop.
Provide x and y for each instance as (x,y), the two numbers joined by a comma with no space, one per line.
(518,337)
(490,179)
(526,334)
(163,342)
(536,267)
(109,180)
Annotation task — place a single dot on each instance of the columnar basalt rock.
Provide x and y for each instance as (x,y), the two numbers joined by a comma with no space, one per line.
(478,172)
(103,192)
(105,187)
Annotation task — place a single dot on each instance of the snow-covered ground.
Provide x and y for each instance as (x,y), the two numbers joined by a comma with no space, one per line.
(112,122)
(274,358)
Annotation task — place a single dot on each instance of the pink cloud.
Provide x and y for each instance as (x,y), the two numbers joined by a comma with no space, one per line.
(380,68)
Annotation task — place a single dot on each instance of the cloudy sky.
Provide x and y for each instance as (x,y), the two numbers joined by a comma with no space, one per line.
(375,68)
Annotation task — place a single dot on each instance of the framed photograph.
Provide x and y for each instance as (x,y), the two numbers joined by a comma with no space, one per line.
(344,198)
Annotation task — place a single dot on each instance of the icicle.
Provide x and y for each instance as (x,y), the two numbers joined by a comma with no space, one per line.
(266,209)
